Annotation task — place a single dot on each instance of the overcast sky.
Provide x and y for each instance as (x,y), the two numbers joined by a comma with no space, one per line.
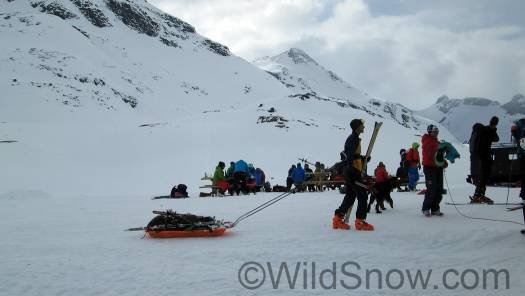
(406,51)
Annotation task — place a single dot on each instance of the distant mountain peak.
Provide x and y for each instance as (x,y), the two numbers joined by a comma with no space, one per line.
(458,115)
(298,56)
(516,105)
(477,101)
(442,99)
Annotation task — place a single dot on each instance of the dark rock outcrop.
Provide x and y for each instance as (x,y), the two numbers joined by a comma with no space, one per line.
(54,8)
(134,17)
(216,47)
(92,13)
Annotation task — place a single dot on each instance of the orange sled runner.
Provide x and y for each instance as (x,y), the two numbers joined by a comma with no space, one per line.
(186,233)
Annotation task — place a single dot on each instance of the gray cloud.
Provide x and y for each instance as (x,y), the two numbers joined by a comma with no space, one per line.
(406,51)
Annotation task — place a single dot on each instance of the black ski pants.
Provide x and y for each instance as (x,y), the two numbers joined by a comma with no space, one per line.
(522,176)
(434,182)
(480,170)
(353,192)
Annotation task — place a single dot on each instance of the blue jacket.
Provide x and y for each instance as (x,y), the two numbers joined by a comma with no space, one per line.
(259,177)
(241,166)
(251,171)
(298,175)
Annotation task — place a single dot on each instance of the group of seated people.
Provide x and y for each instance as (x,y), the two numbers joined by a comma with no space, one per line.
(306,179)
(239,177)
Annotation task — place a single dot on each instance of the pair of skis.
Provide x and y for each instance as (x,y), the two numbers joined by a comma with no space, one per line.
(377,127)
(517,205)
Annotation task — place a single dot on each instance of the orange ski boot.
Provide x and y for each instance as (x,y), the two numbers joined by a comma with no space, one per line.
(363,225)
(338,223)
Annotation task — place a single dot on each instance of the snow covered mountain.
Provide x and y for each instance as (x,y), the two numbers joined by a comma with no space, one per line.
(119,55)
(459,115)
(117,97)
(307,79)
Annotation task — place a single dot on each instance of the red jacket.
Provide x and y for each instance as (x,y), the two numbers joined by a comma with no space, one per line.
(413,158)
(430,148)
(381,174)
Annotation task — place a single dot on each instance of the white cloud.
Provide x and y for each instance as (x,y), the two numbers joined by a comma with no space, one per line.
(412,57)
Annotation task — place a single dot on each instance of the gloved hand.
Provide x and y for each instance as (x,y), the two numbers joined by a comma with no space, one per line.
(440,155)
(353,173)
(367,159)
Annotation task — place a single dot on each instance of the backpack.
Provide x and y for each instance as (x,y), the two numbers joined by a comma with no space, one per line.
(403,163)
(179,191)
(475,137)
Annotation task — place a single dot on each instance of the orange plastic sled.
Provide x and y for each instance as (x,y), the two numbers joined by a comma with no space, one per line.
(181,233)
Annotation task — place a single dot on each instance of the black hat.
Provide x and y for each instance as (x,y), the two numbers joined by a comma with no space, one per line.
(494,121)
(354,124)
(432,128)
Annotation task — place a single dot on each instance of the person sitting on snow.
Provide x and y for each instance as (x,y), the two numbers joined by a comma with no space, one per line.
(179,191)
(240,177)
(309,173)
(260,178)
(230,171)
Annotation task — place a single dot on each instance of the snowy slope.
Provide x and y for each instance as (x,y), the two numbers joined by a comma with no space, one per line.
(459,115)
(130,57)
(307,79)
(75,246)
(100,103)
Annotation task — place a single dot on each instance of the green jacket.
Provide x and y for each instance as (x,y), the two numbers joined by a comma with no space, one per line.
(218,175)
(230,171)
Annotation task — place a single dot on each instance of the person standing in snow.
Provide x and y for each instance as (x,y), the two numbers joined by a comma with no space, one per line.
(480,144)
(414,165)
(353,175)
(518,134)
(433,163)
